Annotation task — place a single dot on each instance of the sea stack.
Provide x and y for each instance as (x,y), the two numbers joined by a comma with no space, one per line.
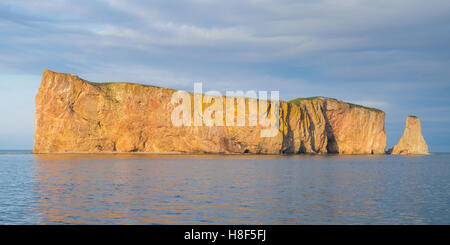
(412,141)
(77,116)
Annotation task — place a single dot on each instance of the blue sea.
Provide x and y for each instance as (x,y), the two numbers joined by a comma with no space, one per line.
(223,189)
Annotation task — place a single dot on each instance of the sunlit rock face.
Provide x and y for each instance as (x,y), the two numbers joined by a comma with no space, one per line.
(412,141)
(74,115)
(350,128)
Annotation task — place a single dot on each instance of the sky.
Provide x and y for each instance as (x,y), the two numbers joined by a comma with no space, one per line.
(390,54)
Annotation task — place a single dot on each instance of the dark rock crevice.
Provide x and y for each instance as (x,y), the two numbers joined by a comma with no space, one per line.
(287,145)
(332,146)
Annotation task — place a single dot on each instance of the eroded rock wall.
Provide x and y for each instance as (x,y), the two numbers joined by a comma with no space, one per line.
(412,141)
(74,115)
(353,129)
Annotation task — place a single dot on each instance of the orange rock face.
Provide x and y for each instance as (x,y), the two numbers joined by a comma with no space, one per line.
(74,115)
(352,129)
(412,141)
(349,128)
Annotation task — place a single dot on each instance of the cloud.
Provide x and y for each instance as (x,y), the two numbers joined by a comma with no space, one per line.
(350,40)
(253,31)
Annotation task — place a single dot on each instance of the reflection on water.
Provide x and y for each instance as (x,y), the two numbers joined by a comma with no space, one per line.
(217,189)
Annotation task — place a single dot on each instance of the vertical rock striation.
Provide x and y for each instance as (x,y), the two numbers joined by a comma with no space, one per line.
(350,128)
(74,115)
(412,141)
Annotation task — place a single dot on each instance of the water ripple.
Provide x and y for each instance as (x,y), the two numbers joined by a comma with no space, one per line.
(211,189)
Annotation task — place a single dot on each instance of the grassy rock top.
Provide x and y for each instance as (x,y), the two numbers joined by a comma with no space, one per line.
(298,101)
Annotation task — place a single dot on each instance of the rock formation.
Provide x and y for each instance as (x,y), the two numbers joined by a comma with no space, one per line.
(412,141)
(74,115)
(350,128)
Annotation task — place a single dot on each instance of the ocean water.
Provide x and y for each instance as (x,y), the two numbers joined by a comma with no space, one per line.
(218,189)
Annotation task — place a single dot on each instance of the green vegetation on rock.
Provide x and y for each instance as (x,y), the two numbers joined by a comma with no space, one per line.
(298,101)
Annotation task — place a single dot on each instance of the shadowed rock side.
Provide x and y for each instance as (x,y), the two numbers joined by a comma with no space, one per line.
(354,129)
(350,128)
(412,141)
(74,115)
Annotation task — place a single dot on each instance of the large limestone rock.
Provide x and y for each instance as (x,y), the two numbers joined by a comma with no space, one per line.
(350,128)
(412,141)
(74,115)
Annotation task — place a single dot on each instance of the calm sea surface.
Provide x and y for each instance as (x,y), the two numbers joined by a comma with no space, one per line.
(216,189)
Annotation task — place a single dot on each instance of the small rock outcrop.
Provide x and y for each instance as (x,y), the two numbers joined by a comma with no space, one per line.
(412,141)
(75,115)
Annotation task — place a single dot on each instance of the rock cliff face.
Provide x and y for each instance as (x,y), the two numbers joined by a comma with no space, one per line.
(350,128)
(412,141)
(74,115)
